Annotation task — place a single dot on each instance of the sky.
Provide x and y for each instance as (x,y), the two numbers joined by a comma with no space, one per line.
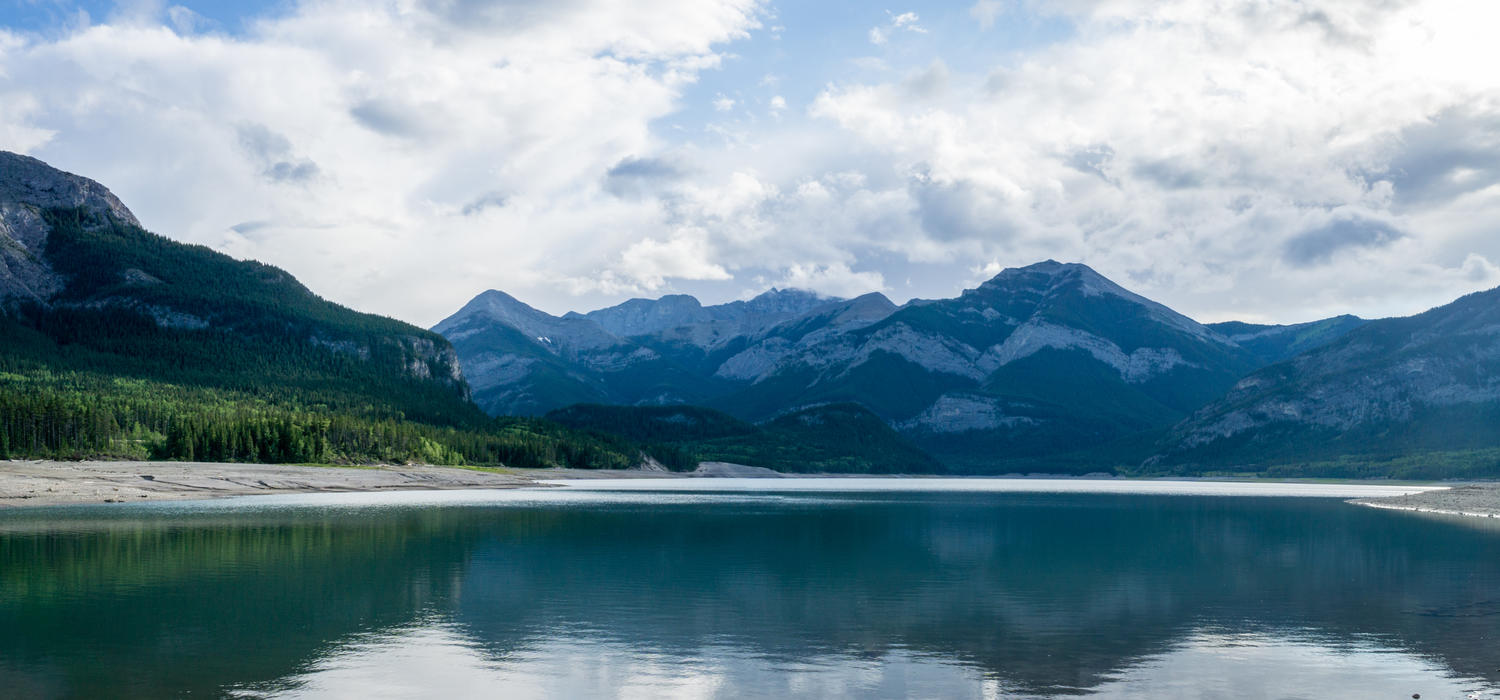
(1259,160)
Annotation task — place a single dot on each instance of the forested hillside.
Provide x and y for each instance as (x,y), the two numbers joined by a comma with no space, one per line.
(117,342)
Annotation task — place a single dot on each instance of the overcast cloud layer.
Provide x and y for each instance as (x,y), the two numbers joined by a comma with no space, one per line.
(1255,159)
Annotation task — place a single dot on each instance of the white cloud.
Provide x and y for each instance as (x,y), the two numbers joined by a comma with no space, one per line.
(986,12)
(1227,156)
(649,263)
(906,21)
(1233,158)
(835,280)
(398,157)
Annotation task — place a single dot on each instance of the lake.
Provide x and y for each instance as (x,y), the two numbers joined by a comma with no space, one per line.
(763,588)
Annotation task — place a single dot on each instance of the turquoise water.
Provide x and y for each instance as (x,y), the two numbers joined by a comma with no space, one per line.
(872,590)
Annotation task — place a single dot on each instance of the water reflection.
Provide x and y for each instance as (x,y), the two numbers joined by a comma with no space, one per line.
(884,594)
(437,659)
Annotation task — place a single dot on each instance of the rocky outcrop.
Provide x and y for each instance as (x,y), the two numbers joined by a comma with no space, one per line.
(30,182)
(27,188)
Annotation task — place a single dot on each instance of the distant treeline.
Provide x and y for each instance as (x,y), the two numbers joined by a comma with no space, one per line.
(835,438)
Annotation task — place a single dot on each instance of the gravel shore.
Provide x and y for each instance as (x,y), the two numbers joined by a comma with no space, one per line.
(43,482)
(1475,500)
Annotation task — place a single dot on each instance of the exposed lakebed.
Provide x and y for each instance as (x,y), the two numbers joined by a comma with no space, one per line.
(778,588)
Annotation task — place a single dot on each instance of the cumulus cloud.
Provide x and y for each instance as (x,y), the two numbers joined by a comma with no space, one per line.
(436,148)
(1209,153)
(1233,158)
(835,279)
(650,262)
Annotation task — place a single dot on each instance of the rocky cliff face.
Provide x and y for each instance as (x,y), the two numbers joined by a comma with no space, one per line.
(1390,386)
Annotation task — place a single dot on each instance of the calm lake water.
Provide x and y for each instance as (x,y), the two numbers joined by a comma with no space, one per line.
(662,589)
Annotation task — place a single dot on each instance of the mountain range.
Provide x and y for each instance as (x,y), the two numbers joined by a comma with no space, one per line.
(1049,367)
(1037,361)
(115,341)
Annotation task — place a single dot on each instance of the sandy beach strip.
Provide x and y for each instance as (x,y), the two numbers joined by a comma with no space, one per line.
(1469,500)
(50,482)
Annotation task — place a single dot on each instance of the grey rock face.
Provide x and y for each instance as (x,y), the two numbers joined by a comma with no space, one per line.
(682,318)
(28,181)
(28,187)
(962,413)
(647,316)
(24,273)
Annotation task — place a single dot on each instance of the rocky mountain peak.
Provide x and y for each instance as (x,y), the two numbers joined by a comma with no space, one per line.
(1023,292)
(28,187)
(774,304)
(32,183)
(500,306)
(645,316)
(1051,275)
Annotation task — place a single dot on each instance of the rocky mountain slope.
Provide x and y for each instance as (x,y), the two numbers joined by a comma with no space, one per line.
(1036,361)
(76,268)
(28,189)
(1388,388)
(1039,360)
(118,343)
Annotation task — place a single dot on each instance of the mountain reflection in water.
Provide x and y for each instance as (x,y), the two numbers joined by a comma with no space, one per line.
(771,595)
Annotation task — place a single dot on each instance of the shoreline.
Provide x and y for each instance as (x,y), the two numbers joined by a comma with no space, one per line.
(41,483)
(1464,501)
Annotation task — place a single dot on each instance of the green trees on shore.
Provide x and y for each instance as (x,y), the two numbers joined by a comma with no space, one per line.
(74,415)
